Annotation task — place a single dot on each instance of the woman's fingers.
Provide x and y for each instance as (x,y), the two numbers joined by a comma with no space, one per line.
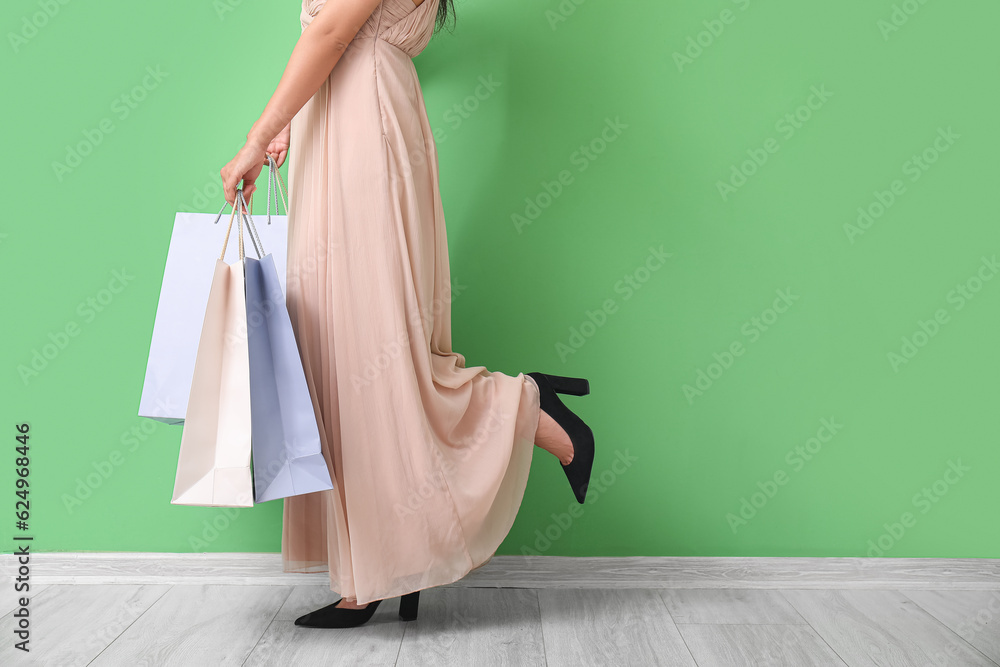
(245,167)
(249,179)
(280,159)
(229,185)
(278,148)
(279,154)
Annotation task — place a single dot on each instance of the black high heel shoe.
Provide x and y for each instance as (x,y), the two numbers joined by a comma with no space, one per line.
(578,470)
(332,616)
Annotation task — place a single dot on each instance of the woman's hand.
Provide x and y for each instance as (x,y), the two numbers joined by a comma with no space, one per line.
(278,148)
(316,52)
(246,166)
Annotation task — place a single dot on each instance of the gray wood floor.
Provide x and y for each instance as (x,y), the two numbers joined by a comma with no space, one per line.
(218,624)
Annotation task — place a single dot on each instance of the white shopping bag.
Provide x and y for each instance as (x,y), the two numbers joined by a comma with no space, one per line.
(180,312)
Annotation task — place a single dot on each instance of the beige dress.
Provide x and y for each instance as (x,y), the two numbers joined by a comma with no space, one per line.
(429,458)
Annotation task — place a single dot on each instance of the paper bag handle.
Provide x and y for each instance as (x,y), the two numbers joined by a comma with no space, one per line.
(241,205)
(258,245)
(279,184)
(279,187)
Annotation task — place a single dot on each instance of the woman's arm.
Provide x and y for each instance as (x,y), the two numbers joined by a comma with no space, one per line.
(315,54)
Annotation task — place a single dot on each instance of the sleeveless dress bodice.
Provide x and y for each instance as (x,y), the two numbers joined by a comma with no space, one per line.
(397,22)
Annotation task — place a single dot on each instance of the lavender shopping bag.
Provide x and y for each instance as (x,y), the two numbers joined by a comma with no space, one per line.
(184,291)
(287,455)
(184,294)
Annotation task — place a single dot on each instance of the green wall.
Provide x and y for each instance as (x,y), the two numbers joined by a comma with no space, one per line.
(793,378)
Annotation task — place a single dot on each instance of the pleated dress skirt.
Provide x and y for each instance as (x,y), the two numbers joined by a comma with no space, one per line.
(429,457)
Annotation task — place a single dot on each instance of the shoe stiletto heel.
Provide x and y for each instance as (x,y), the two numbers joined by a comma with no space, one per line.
(408,606)
(570,386)
(332,616)
(578,470)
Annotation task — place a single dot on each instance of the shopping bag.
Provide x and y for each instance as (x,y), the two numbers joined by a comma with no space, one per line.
(287,454)
(187,279)
(213,466)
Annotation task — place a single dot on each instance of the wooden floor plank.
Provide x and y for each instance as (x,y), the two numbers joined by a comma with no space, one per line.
(122,624)
(972,615)
(778,572)
(198,624)
(376,643)
(475,627)
(743,645)
(9,601)
(881,628)
(304,599)
(70,625)
(729,606)
(609,627)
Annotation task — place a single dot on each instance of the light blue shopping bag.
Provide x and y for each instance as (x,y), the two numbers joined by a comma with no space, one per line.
(287,455)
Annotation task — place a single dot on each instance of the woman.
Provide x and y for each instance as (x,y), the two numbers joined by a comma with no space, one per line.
(429,458)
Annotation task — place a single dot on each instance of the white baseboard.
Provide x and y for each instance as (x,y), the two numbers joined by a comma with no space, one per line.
(533,571)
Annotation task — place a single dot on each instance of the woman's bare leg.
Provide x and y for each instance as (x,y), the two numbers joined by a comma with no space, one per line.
(350,603)
(551,437)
